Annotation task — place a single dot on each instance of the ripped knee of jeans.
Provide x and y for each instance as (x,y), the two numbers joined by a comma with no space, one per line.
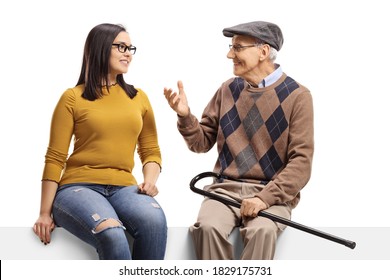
(107,224)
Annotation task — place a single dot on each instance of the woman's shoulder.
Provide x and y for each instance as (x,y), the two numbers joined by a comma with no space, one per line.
(73,92)
(140,91)
(71,95)
(141,95)
(77,90)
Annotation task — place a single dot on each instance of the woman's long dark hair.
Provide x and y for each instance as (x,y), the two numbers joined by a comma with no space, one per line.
(94,70)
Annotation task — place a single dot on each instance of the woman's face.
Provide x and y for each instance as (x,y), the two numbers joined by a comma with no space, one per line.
(119,62)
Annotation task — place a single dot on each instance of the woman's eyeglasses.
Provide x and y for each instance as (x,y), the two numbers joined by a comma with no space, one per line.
(123,48)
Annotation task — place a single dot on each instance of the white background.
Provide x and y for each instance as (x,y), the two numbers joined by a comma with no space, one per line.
(338,49)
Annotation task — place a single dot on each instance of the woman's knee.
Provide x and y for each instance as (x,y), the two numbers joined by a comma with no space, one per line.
(148,217)
(108,223)
(110,231)
(112,242)
(155,226)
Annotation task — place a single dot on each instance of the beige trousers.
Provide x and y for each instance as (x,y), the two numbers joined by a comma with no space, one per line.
(216,221)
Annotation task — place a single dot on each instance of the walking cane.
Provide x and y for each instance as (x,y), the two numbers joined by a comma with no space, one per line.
(265,214)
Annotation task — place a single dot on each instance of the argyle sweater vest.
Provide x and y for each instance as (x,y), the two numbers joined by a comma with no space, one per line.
(263,135)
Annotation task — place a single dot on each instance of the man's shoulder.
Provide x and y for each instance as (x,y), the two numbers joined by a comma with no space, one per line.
(289,85)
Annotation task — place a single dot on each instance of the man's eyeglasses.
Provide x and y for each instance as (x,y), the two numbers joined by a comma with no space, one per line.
(238,48)
(123,48)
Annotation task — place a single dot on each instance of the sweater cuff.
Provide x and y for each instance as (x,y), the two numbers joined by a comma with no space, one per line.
(184,122)
(158,162)
(266,198)
(51,172)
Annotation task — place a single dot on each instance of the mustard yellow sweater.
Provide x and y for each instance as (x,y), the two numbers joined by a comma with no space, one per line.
(106,133)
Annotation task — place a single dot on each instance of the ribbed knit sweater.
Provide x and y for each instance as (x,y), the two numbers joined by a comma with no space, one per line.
(263,135)
(106,133)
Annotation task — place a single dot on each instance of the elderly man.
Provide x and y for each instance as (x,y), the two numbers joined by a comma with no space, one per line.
(262,122)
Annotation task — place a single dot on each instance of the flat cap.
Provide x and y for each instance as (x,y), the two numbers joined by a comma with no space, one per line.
(267,32)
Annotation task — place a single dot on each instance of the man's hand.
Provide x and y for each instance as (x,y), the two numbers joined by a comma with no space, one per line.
(250,207)
(178,101)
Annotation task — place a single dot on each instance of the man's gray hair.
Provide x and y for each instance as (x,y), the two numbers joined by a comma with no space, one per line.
(273,52)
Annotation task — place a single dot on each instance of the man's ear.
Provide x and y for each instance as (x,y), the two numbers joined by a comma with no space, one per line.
(264,51)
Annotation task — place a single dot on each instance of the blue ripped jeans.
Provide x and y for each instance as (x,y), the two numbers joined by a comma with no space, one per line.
(80,208)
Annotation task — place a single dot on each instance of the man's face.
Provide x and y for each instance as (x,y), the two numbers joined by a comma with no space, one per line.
(245,53)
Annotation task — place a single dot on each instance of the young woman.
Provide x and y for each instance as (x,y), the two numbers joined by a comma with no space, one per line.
(93,193)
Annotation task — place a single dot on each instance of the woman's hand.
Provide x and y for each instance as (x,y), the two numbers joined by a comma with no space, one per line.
(45,224)
(151,171)
(148,188)
(43,228)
